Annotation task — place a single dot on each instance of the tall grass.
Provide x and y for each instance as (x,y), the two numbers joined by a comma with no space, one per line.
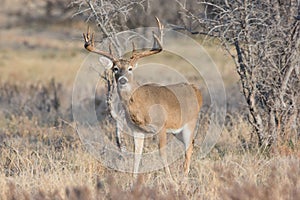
(48,161)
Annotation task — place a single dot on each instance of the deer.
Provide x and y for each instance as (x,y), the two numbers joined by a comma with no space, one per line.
(152,108)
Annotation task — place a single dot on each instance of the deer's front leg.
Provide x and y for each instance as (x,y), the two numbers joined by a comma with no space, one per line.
(138,150)
(120,137)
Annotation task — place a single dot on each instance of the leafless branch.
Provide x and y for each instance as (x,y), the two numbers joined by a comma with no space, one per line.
(267,42)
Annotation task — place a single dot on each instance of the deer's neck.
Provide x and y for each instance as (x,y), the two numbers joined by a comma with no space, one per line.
(126,92)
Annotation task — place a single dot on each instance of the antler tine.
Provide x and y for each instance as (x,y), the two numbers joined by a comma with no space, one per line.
(110,49)
(160,29)
(159,42)
(89,44)
(133,47)
(133,50)
(93,40)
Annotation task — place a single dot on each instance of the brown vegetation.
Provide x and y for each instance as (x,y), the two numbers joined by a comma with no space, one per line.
(42,157)
(48,161)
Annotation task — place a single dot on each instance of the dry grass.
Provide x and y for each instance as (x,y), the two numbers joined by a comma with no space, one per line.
(45,159)
(21,65)
(51,163)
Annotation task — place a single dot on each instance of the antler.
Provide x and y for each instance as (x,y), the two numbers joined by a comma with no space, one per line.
(137,55)
(89,44)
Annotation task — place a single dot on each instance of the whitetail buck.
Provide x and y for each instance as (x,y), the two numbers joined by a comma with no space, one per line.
(153,108)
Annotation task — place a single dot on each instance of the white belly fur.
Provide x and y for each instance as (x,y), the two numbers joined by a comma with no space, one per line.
(175,131)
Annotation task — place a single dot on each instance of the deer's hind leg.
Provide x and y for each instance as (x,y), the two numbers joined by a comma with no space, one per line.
(162,150)
(188,141)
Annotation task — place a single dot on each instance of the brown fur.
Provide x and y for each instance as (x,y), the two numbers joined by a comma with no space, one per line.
(177,112)
(178,105)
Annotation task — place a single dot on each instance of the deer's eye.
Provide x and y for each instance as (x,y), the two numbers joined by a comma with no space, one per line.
(115,69)
(130,68)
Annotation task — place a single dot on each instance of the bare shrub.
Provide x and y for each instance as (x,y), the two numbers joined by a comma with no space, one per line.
(109,16)
(37,101)
(266,39)
(45,11)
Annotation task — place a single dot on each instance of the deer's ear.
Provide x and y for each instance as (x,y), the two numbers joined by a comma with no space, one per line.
(105,62)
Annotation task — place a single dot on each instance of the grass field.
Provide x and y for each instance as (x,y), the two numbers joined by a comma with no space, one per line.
(42,157)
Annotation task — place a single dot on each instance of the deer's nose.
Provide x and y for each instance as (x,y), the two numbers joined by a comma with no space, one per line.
(123,80)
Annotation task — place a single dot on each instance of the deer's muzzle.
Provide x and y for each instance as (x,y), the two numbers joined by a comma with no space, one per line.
(122,80)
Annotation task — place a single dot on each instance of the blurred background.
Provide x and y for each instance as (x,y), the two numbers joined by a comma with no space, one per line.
(41,49)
